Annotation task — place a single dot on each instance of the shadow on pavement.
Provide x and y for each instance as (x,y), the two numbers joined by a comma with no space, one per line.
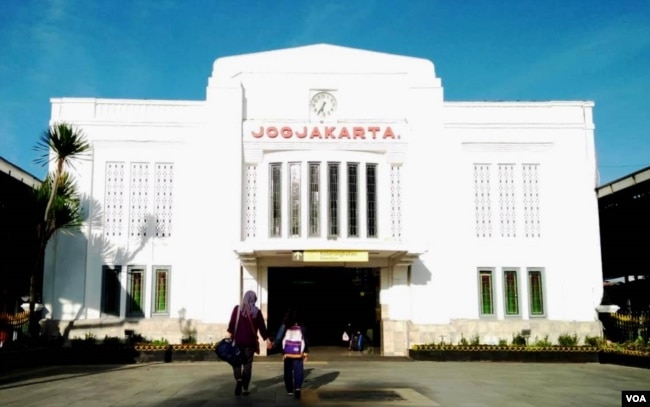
(29,377)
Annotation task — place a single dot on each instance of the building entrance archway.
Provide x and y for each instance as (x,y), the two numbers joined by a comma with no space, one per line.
(328,298)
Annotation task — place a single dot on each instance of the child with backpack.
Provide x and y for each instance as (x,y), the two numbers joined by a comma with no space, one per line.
(295,350)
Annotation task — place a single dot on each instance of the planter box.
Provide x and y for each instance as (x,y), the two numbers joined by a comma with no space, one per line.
(175,353)
(558,354)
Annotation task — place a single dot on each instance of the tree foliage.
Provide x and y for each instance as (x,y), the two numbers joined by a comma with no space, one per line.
(58,203)
(66,212)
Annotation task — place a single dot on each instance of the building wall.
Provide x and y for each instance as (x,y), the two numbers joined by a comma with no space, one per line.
(429,247)
(18,217)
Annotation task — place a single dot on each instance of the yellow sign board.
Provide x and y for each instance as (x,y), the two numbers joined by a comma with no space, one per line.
(334,256)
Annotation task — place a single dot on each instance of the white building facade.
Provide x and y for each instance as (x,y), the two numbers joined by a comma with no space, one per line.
(470,218)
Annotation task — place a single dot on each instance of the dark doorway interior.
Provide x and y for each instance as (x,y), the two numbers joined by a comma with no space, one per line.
(328,298)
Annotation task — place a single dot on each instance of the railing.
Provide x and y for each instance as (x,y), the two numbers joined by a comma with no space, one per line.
(14,320)
(626,326)
(9,323)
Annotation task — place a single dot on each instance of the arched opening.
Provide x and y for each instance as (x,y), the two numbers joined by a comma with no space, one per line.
(328,298)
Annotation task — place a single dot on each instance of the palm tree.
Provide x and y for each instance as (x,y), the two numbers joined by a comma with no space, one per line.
(61,145)
(65,208)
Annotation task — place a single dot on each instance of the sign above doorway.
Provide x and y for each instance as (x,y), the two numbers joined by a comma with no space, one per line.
(330,256)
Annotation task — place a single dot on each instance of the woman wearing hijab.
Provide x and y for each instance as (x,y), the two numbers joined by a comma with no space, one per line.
(246,321)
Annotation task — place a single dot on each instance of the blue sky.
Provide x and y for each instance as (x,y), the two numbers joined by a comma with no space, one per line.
(482,50)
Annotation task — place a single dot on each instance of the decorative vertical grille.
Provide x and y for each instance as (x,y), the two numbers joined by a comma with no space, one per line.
(396,202)
(483,210)
(507,200)
(251,201)
(531,200)
(114,200)
(163,199)
(139,199)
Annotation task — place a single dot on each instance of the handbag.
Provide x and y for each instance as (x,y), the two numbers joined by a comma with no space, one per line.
(227,350)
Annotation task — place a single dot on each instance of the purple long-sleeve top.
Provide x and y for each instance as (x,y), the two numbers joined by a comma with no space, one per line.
(246,336)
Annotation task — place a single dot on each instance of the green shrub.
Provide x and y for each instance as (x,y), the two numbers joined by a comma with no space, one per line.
(160,342)
(138,338)
(503,342)
(475,340)
(594,341)
(463,341)
(88,340)
(189,339)
(543,343)
(111,340)
(518,340)
(568,340)
(638,344)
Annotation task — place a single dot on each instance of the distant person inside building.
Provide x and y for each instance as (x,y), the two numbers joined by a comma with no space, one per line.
(295,349)
(357,339)
(249,321)
(346,338)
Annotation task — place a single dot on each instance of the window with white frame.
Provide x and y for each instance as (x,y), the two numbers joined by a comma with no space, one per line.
(510,292)
(135,291)
(371,200)
(352,203)
(314,199)
(353,199)
(160,294)
(111,288)
(333,199)
(486,292)
(294,199)
(536,292)
(276,200)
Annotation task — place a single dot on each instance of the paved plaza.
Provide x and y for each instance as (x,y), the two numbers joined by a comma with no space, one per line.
(358,382)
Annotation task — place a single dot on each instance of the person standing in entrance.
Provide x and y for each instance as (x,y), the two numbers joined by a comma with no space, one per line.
(246,321)
(295,349)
